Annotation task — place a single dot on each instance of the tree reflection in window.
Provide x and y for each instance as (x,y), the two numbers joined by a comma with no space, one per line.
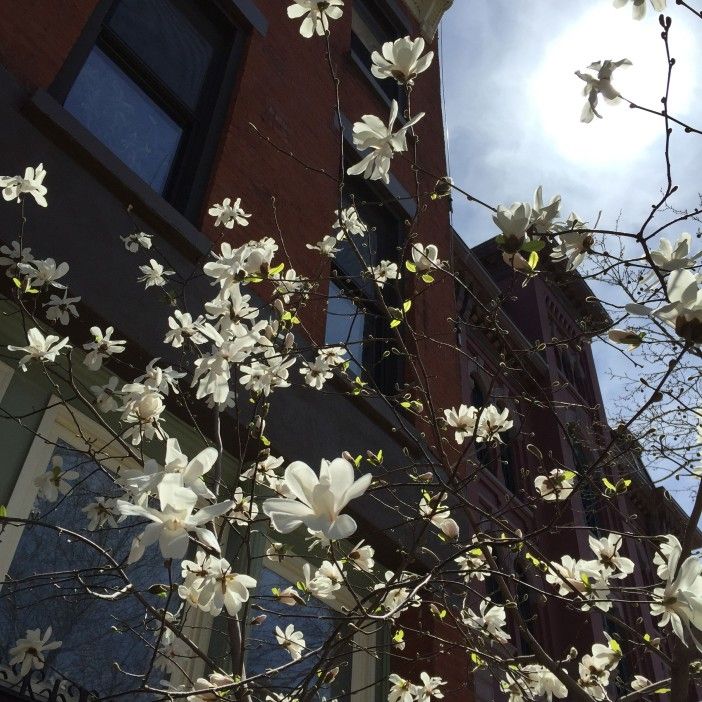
(97,635)
(318,622)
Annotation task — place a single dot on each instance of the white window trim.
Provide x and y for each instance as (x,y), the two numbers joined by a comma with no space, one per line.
(6,373)
(363,665)
(58,423)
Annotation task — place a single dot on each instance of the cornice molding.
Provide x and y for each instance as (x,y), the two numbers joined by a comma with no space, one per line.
(428,13)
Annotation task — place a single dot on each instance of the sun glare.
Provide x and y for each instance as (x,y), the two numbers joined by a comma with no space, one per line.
(623,135)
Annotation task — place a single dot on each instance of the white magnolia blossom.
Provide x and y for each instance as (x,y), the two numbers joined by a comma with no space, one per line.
(333,355)
(463,420)
(211,688)
(606,550)
(291,284)
(327,579)
(55,481)
(182,326)
(245,510)
(638,7)
(232,265)
(429,688)
(513,221)
(291,640)
(491,621)
(154,274)
(229,214)
(473,564)
(384,271)
(162,380)
(39,348)
(317,14)
(600,84)
(348,221)
(272,372)
(671,257)
(679,602)
(544,216)
(29,652)
(584,579)
(640,683)
(425,258)
(433,510)
(136,241)
(684,311)
(61,309)
(101,348)
(574,242)
(372,134)
(106,396)
(396,597)
(401,59)
(401,690)
(669,544)
(316,373)
(362,556)
(556,486)
(490,423)
(102,511)
(318,500)
(13,187)
(327,246)
(143,409)
(41,272)
(174,521)
(191,471)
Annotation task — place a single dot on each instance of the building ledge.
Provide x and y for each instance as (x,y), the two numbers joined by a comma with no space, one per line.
(428,13)
(79,142)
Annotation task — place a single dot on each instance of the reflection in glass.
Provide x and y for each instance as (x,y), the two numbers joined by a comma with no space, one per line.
(96,634)
(161,36)
(316,621)
(345,325)
(124,118)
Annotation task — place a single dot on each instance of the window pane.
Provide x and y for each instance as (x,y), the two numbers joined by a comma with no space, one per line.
(163,38)
(345,326)
(95,633)
(125,119)
(316,621)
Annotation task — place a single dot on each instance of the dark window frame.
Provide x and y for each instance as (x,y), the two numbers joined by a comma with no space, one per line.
(387,373)
(191,171)
(387,25)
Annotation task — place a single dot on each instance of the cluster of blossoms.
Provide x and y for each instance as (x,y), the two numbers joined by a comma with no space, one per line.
(525,229)
(588,580)
(490,622)
(556,486)
(530,682)
(485,424)
(402,690)
(210,584)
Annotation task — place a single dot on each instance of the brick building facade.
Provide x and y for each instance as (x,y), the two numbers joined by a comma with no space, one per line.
(262,94)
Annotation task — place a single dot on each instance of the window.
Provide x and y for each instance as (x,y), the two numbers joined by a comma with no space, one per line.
(95,633)
(317,621)
(149,85)
(371,27)
(355,317)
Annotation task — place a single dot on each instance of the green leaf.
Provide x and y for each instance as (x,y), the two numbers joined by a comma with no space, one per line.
(410,267)
(3,511)
(569,474)
(585,578)
(265,441)
(609,485)
(614,645)
(399,636)
(406,305)
(277,269)
(405,405)
(662,690)
(533,260)
(395,323)
(428,279)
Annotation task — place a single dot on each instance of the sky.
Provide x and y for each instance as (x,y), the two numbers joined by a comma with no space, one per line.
(512,112)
